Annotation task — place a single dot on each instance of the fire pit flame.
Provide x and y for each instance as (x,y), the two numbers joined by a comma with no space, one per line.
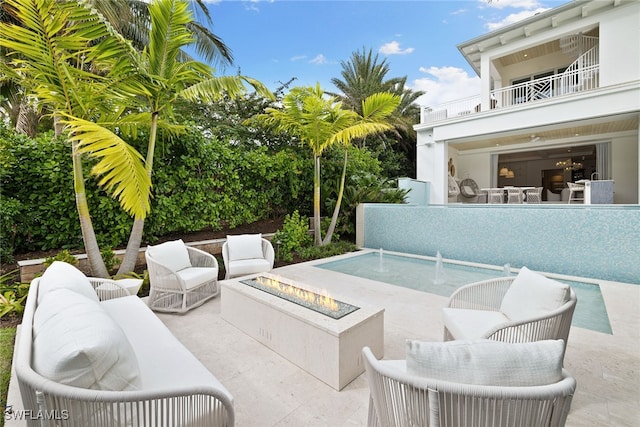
(321,303)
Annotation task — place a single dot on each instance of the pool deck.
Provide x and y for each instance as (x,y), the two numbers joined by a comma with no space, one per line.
(270,391)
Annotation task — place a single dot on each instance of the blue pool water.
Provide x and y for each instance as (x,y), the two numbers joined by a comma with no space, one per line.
(420,274)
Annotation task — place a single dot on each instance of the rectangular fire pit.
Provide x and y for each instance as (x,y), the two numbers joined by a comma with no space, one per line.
(282,314)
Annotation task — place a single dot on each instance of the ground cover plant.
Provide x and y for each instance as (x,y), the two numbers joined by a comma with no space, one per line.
(7,340)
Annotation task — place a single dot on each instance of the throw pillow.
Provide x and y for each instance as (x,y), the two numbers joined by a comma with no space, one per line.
(62,275)
(172,255)
(244,246)
(77,343)
(532,294)
(487,362)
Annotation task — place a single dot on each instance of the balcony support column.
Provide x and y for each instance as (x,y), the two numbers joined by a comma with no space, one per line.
(432,160)
(485,89)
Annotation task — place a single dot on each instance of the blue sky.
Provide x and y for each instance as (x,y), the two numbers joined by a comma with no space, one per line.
(276,40)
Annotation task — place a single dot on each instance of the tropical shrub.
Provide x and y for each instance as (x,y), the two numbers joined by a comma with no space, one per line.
(199,183)
(64,256)
(12,294)
(337,247)
(293,237)
(365,188)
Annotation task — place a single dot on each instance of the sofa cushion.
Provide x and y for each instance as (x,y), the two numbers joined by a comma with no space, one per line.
(467,324)
(486,362)
(195,276)
(168,364)
(75,342)
(61,275)
(531,294)
(173,255)
(245,246)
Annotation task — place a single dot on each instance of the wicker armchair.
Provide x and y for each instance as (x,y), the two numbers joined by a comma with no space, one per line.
(180,277)
(402,399)
(478,310)
(247,254)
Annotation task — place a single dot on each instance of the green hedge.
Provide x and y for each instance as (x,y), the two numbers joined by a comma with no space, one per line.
(198,183)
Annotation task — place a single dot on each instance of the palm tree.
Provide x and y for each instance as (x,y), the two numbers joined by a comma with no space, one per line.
(320,122)
(132,20)
(172,78)
(363,75)
(80,72)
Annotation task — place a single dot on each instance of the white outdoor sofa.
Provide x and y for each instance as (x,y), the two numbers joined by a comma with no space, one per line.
(90,354)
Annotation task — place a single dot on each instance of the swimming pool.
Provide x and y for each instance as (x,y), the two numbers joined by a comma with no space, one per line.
(421,274)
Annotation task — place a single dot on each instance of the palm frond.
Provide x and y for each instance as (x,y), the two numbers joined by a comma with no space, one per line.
(120,166)
(214,88)
(169,34)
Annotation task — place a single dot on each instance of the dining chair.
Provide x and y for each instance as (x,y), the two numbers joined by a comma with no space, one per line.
(495,195)
(574,189)
(533,195)
(514,195)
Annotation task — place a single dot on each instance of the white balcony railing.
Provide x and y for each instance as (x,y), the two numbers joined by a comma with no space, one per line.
(581,76)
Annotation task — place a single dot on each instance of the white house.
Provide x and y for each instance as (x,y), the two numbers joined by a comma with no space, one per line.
(560,86)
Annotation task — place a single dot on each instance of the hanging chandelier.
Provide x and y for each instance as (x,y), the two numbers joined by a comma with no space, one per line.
(569,165)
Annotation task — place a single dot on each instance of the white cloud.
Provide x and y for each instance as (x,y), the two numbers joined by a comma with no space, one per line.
(516,4)
(319,60)
(298,58)
(444,84)
(513,18)
(393,48)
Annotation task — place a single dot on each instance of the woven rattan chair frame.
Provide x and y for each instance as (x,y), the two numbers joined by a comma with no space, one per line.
(488,295)
(398,399)
(169,293)
(267,250)
(533,195)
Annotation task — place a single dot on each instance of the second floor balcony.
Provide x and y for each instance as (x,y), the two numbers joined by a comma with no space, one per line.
(582,75)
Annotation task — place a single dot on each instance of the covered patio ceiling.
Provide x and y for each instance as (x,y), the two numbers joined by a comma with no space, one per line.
(543,136)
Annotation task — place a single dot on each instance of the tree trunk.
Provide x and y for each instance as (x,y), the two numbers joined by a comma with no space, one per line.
(316,201)
(336,210)
(130,258)
(96,263)
(135,237)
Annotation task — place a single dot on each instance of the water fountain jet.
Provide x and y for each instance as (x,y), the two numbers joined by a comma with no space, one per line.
(438,276)
(381,267)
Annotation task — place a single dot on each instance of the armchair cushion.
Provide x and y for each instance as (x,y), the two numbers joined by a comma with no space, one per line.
(173,255)
(196,276)
(245,246)
(61,275)
(532,294)
(467,324)
(248,266)
(77,343)
(487,362)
